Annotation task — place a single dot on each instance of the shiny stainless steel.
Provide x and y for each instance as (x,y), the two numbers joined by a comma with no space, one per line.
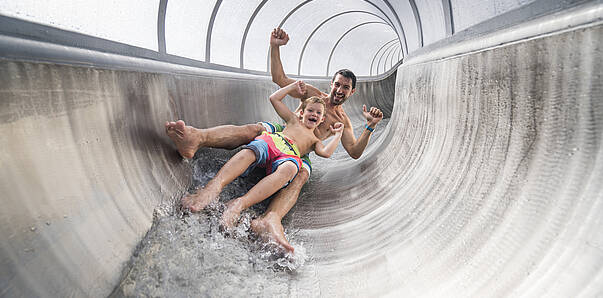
(86,162)
(487,181)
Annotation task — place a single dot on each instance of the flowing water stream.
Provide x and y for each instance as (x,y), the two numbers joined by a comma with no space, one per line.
(188,255)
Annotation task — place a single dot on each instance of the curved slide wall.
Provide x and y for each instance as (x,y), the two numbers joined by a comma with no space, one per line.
(487,181)
(86,162)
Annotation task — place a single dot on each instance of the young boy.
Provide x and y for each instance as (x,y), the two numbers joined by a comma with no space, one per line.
(279,153)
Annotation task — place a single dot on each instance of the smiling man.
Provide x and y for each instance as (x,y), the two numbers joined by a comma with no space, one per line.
(189,139)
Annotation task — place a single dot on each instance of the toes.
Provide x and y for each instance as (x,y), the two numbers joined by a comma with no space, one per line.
(179,125)
(169,126)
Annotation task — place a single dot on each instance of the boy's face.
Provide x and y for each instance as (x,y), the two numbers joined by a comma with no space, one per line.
(313,115)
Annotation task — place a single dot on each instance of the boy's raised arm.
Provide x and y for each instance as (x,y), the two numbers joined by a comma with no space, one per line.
(327,150)
(276,99)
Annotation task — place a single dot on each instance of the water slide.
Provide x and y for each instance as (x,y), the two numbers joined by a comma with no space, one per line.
(485,180)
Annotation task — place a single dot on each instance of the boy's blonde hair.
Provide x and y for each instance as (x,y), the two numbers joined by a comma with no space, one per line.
(313,99)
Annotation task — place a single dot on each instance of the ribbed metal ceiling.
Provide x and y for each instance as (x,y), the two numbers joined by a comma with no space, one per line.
(323,34)
(368,36)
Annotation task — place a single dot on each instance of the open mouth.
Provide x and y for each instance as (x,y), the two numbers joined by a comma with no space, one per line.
(312,119)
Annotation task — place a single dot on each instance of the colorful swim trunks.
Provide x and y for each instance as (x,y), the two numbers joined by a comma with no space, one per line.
(275,127)
(271,150)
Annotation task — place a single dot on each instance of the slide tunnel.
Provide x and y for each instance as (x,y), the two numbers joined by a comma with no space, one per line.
(484,180)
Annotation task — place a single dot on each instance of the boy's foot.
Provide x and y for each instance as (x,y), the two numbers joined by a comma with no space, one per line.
(270,227)
(200,199)
(186,138)
(231,214)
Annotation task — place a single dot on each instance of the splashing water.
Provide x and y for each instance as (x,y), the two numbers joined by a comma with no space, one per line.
(188,255)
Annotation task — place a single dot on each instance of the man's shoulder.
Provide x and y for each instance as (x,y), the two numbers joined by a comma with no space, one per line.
(316,92)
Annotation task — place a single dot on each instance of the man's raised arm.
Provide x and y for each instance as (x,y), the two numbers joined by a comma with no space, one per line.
(355,147)
(278,38)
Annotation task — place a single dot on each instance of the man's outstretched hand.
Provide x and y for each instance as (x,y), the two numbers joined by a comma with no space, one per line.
(373,116)
(278,37)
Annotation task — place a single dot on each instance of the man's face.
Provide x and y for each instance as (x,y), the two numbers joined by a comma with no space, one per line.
(341,89)
(313,115)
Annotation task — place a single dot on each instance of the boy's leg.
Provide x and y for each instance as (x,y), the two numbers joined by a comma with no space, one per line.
(230,171)
(189,139)
(259,192)
(269,224)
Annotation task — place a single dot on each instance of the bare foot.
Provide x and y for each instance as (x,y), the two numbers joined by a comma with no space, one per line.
(200,199)
(270,227)
(186,138)
(231,214)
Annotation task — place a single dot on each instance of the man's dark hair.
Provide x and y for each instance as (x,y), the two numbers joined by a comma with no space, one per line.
(347,74)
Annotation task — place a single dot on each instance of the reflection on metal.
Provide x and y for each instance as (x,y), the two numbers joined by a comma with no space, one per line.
(448,19)
(342,36)
(161,26)
(255,13)
(415,12)
(301,55)
(377,53)
(382,55)
(209,30)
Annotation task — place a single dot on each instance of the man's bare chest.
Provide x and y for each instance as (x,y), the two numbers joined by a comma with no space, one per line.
(324,129)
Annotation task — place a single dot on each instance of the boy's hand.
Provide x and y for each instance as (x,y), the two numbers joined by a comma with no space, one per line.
(278,37)
(373,116)
(301,87)
(337,127)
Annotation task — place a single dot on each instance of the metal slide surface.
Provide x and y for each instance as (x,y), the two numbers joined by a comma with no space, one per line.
(487,180)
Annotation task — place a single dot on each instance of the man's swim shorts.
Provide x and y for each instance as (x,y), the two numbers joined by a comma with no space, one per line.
(275,127)
(271,150)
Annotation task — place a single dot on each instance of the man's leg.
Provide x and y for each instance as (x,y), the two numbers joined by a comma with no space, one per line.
(189,139)
(269,224)
(259,192)
(234,168)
